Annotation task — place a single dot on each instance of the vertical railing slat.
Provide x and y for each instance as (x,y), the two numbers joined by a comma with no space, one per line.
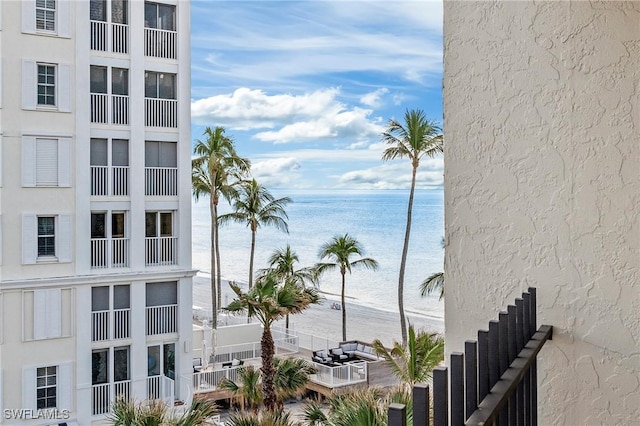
(397,414)
(421,405)
(494,349)
(503,339)
(483,364)
(457,388)
(470,376)
(513,403)
(533,371)
(440,397)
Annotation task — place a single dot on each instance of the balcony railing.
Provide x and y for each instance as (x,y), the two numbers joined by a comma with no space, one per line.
(161,181)
(110,325)
(161,388)
(162,319)
(109,37)
(105,111)
(161,112)
(104,395)
(109,253)
(343,375)
(161,251)
(493,382)
(118,185)
(160,43)
(206,381)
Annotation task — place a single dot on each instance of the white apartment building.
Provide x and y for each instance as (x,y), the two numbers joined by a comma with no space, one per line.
(95,228)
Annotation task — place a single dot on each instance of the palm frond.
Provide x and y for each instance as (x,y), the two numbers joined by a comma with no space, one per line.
(433,283)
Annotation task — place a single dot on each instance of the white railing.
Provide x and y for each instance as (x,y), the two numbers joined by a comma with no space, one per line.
(161,251)
(161,388)
(99,35)
(161,181)
(240,352)
(120,109)
(162,319)
(102,321)
(120,38)
(109,255)
(160,43)
(104,395)
(100,108)
(342,375)
(311,342)
(206,381)
(100,184)
(161,112)
(100,326)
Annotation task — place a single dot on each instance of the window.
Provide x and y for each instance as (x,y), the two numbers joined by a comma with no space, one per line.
(46,387)
(46,15)
(98,10)
(159,85)
(160,154)
(106,326)
(99,225)
(46,161)
(46,84)
(160,16)
(46,236)
(98,79)
(158,224)
(119,12)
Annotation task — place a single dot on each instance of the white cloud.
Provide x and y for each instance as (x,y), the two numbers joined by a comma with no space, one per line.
(295,118)
(283,171)
(374,99)
(394,175)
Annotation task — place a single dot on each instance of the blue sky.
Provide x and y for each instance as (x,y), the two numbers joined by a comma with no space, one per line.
(305,88)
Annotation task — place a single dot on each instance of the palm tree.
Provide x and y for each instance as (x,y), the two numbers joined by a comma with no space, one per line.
(215,165)
(269,301)
(433,283)
(414,362)
(126,412)
(339,251)
(416,138)
(268,418)
(247,388)
(256,207)
(282,263)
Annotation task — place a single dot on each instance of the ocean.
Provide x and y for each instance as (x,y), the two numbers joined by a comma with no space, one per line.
(376,218)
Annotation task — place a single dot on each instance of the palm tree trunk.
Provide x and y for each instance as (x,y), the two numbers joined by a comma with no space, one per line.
(403,262)
(344,311)
(217,246)
(253,247)
(214,299)
(268,369)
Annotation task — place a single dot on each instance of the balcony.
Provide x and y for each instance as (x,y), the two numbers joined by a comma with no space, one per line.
(161,181)
(162,319)
(161,388)
(107,181)
(161,112)
(109,109)
(110,325)
(109,253)
(161,251)
(108,37)
(344,375)
(160,43)
(104,395)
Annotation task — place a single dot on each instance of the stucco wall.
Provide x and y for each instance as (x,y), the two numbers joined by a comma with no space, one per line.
(542,188)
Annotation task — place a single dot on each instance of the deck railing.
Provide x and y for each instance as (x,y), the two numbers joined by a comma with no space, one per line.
(109,109)
(161,388)
(109,253)
(493,382)
(101,33)
(109,325)
(161,181)
(104,395)
(160,43)
(161,112)
(206,381)
(105,182)
(161,251)
(162,319)
(342,375)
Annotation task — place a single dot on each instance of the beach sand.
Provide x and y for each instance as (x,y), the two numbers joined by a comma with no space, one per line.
(363,323)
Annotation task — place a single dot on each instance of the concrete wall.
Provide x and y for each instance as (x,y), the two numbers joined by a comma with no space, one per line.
(542,188)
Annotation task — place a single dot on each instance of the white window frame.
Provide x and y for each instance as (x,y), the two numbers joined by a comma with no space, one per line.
(30,161)
(64,386)
(161,74)
(44,6)
(47,256)
(47,85)
(47,385)
(63,239)
(62,86)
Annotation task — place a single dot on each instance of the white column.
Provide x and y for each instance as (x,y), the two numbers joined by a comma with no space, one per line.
(83,353)
(138,352)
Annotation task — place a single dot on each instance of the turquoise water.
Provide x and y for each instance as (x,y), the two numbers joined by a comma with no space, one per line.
(375,218)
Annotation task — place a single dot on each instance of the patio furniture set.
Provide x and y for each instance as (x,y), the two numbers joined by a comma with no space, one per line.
(345,352)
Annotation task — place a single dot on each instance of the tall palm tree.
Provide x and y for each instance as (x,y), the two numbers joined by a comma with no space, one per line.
(414,362)
(270,301)
(247,388)
(416,138)
(255,206)
(215,166)
(433,283)
(282,263)
(339,251)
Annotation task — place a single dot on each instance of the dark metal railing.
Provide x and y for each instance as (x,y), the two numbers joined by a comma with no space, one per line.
(493,382)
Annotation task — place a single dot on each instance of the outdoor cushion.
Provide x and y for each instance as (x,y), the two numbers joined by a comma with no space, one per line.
(348,347)
(235,362)
(321,354)
(337,351)
(360,347)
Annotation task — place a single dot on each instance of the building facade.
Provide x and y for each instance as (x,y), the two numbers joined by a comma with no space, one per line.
(95,208)
(542,189)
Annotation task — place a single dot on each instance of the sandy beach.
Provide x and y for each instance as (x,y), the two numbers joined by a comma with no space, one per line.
(363,323)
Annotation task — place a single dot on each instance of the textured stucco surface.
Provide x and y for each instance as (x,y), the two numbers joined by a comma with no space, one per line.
(542,188)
